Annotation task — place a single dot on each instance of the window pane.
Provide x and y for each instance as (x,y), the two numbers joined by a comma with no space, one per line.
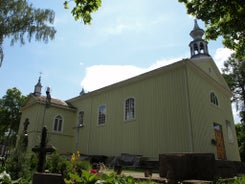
(129,109)
(80,118)
(229,132)
(102,115)
(214,99)
(58,124)
(55,124)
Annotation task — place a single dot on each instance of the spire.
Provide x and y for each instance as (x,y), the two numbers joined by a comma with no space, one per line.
(198,46)
(38,88)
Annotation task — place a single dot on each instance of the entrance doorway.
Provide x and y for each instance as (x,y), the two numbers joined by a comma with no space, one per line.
(220,146)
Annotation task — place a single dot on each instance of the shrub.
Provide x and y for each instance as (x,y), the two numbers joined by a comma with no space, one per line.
(58,164)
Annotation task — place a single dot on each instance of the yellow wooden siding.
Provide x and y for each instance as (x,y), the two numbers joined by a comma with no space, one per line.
(35,116)
(160,118)
(205,65)
(64,143)
(204,114)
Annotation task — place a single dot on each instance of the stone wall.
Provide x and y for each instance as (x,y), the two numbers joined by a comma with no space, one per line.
(201,166)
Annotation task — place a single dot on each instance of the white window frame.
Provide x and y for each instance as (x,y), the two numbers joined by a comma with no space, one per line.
(129,109)
(100,114)
(214,99)
(59,128)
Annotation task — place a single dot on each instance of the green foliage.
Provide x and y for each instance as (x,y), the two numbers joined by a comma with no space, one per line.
(20,21)
(19,164)
(82,165)
(83,9)
(88,178)
(236,180)
(5,178)
(73,178)
(21,169)
(113,178)
(240,130)
(101,178)
(234,74)
(10,115)
(58,164)
(222,18)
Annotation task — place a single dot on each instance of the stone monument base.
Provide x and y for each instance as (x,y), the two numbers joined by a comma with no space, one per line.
(183,166)
(47,178)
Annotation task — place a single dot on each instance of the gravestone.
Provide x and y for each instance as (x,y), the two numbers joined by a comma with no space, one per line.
(40,177)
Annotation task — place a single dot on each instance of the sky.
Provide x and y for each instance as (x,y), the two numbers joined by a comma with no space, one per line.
(126,38)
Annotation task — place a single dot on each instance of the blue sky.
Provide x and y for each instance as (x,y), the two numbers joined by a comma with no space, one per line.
(126,38)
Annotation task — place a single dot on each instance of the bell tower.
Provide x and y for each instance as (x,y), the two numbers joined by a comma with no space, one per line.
(38,88)
(198,47)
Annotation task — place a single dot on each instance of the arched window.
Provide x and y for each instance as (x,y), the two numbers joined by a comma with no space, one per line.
(58,123)
(80,119)
(129,109)
(214,99)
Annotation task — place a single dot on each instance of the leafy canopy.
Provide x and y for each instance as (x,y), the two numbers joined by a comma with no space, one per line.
(10,114)
(234,74)
(82,9)
(222,18)
(20,21)
(240,130)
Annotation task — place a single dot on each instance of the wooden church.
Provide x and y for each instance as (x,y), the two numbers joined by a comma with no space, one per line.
(181,107)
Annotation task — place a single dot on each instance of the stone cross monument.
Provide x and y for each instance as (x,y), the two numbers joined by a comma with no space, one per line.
(42,150)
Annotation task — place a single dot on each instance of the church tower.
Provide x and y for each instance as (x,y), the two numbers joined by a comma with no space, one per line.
(38,88)
(198,47)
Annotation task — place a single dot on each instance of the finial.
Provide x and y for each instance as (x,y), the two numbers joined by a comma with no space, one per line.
(40,75)
(196,25)
(197,32)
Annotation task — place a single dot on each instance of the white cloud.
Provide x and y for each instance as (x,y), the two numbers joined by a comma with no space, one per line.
(221,55)
(99,76)
(121,27)
(164,62)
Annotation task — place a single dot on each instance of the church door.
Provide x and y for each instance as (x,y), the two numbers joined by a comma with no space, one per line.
(220,146)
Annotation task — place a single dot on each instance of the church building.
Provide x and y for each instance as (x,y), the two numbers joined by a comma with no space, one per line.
(181,107)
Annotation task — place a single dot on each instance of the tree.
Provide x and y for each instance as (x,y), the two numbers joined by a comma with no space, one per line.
(234,74)
(222,18)
(83,9)
(20,22)
(10,114)
(240,130)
